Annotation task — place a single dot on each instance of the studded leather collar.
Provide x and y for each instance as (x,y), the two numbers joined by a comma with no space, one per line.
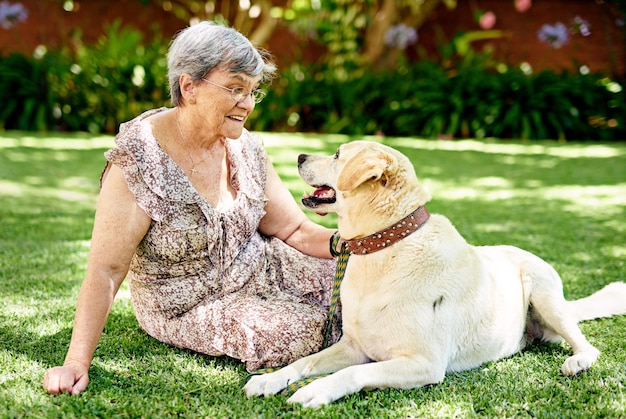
(392,234)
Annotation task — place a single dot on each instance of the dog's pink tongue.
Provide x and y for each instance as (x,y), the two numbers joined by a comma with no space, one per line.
(321,192)
(324,192)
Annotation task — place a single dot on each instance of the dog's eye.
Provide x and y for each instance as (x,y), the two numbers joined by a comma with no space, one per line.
(337,154)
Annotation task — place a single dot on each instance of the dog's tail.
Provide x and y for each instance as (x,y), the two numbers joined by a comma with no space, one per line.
(609,301)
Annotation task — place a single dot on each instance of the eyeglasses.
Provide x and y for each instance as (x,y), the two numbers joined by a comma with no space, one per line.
(238,94)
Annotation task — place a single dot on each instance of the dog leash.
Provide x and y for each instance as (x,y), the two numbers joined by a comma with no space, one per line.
(340,270)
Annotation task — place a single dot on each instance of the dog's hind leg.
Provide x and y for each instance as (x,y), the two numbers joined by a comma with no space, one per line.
(557,318)
(609,301)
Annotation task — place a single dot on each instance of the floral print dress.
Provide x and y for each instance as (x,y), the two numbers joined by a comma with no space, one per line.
(206,279)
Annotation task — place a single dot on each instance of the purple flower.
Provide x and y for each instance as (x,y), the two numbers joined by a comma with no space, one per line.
(555,35)
(400,36)
(10,14)
(581,26)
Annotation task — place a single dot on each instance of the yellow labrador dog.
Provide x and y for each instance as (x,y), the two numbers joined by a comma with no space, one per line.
(418,300)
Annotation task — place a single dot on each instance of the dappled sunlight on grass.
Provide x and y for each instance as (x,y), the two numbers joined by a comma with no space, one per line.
(605,198)
(499,227)
(74,141)
(65,192)
(123,293)
(541,148)
(582,256)
(302,143)
(564,202)
(473,192)
(19,309)
(527,160)
(615,251)
(25,154)
(23,366)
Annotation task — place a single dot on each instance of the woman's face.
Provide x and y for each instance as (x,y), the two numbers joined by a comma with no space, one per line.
(223,115)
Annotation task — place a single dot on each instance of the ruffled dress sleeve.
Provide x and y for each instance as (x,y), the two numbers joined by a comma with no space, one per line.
(157,182)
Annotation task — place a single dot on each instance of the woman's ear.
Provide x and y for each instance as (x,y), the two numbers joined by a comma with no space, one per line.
(187,88)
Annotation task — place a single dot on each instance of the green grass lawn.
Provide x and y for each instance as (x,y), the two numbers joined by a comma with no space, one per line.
(564,202)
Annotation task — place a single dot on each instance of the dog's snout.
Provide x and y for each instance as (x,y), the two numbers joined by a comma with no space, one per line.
(301,159)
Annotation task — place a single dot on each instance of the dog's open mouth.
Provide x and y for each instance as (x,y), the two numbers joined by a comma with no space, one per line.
(320,196)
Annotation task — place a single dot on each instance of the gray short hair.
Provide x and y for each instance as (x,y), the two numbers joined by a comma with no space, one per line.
(205,46)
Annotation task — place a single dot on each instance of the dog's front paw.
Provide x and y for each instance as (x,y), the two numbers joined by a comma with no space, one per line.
(268,384)
(580,362)
(318,393)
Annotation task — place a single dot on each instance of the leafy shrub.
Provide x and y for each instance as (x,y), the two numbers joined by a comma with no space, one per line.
(91,88)
(113,80)
(25,94)
(427,99)
(96,87)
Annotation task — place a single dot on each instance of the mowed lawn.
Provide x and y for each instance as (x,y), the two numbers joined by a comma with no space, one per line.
(564,202)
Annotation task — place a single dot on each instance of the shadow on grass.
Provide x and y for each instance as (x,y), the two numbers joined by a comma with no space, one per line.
(129,374)
(565,204)
(46,350)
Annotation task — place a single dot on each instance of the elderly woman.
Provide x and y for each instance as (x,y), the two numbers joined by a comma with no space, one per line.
(220,258)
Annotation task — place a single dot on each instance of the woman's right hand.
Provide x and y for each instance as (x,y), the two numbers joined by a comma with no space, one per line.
(119,226)
(71,378)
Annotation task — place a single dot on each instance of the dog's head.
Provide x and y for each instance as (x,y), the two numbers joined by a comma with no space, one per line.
(369,186)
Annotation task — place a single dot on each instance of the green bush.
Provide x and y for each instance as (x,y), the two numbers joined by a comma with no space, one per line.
(25,93)
(427,99)
(113,80)
(88,88)
(96,87)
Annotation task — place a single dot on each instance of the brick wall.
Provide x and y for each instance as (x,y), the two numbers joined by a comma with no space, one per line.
(603,50)
(50,25)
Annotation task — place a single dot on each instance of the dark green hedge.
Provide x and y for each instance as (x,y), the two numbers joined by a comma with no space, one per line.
(96,87)
(427,100)
(86,88)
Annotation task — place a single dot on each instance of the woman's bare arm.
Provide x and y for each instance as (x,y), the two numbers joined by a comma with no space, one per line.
(286,220)
(119,226)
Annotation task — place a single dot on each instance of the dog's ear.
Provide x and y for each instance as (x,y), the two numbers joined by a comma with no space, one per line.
(361,168)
